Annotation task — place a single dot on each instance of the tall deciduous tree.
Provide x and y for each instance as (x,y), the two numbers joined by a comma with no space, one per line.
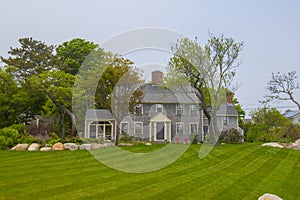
(13,100)
(58,87)
(72,53)
(207,70)
(109,79)
(282,88)
(268,116)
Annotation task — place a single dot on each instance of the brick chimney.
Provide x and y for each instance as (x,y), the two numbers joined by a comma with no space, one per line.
(157,77)
(229,97)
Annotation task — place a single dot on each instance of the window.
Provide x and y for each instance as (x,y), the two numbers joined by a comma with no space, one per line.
(225,120)
(193,109)
(138,127)
(124,127)
(179,128)
(205,130)
(179,109)
(194,128)
(159,107)
(138,109)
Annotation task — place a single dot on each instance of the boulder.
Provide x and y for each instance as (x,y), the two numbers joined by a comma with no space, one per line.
(46,149)
(34,147)
(125,144)
(108,144)
(85,147)
(20,147)
(269,197)
(297,141)
(148,144)
(70,146)
(96,146)
(272,144)
(58,146)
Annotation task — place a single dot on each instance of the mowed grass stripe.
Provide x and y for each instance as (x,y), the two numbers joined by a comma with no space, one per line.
(229,184)
(135,184)
(211,181)
(274,181)
(185,175)
(99,185)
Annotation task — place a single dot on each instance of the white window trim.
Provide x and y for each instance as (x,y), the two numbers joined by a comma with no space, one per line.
(142,111)
(122,126)
(141,128)
(181,109)
(162,107)
(177,127)
(191,127)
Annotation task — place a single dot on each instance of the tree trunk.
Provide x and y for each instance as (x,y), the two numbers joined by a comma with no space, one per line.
(63,124)
(69,113)
(117,135)
(214,130)
(293,100)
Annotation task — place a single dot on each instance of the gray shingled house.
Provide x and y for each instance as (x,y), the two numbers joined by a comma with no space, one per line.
(293,115)
(162,115)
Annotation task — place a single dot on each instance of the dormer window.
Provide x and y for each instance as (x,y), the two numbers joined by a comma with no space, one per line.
(138,109)
(159,107)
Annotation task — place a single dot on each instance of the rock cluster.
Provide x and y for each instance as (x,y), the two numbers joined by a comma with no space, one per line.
(60,146)
(295,145)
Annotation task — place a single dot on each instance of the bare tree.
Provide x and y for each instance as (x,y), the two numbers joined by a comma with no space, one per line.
(282,87)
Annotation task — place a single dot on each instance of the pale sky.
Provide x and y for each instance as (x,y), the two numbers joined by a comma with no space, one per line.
(270,30)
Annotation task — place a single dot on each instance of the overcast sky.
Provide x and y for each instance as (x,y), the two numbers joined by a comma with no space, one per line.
(270,30)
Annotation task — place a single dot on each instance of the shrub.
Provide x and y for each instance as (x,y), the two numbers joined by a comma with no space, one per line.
(21,128)
(258,133)
(8,137)
(288,133)
(126,138)
(28,139)
(92,140)
(74,140)
(230,136)
(53,141)
(53,135)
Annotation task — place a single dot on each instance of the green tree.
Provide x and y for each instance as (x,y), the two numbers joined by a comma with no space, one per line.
(72,53)
(58,87)
(269,116)
(109,79)
(127,93)
(13,101)
(240,111)
(268,124)
(33,57)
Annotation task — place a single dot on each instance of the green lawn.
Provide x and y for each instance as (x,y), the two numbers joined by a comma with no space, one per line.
(229,172)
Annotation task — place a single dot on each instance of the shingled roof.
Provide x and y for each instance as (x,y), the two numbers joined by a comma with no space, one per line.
(292,114)
(161,94)
(98,114)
